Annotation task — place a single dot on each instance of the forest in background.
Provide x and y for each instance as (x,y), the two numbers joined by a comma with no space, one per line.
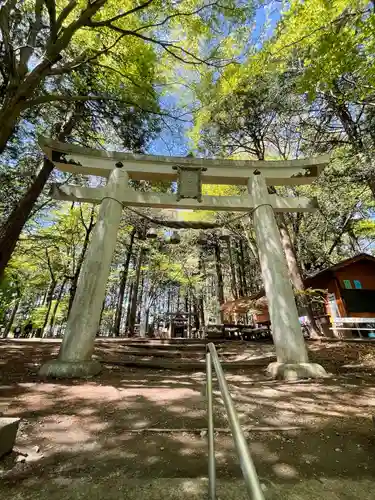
(214,76)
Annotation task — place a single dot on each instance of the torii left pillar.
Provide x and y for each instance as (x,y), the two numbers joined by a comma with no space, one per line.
(74,359)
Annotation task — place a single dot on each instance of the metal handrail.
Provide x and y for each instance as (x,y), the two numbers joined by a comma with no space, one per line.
(247,465)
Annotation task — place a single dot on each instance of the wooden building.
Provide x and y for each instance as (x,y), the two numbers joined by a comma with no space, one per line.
(348,293)
(350,287)
(254,307)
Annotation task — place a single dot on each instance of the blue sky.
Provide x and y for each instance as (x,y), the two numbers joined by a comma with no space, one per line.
(173,140)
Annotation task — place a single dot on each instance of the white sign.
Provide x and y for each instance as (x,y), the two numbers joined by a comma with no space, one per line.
(334,310)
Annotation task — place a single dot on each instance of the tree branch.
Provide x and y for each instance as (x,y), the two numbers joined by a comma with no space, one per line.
(123,75)
(67,68)
(83,98)
(27,50)
(338,20)
(170,47)
(124,14)
(82,218)
(40,207)
(81,60)
(345,224)
(68,98)
(51,8)
(50,266)
(68,32)
(65,13)
(161,23)
(167,46)
(5,33)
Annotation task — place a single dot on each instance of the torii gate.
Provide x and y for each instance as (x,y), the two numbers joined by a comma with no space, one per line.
(74,358)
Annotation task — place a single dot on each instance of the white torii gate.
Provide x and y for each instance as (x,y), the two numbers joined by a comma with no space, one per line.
(74,358)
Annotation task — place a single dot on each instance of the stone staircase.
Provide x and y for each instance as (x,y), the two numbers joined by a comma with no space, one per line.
(187,354)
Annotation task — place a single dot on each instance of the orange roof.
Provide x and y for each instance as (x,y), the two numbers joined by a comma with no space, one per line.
(243,305)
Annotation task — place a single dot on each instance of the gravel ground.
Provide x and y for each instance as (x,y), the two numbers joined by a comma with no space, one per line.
(137,433)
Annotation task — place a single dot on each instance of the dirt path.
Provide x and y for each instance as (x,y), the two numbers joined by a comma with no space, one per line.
(81,437)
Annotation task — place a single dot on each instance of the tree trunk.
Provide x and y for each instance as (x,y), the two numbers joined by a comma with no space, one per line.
(26,79)
(12,228)
(201,312)
(169,293)
(143,327)
(295,275)
(200,299)
(58,300)
(123,278)
(342,111)
(243,268)
(196,313)
(134,300)
(140,298)
(9,118)
(233,281)
(146,292)
(12,316)
(188,309)
(49,305)
(101,317)
(178,298)
(73,286)
(15,101)
(129,305)
(220,283)
(44,298)
(240,272)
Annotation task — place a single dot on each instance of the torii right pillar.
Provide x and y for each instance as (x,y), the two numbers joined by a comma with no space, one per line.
(292,358)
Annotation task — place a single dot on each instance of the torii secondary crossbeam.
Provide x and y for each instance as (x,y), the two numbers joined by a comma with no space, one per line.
(76,350)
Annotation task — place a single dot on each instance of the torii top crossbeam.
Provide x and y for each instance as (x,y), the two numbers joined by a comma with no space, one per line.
(191,172)
(77,159)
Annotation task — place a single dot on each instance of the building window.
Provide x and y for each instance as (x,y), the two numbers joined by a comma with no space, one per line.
(359,301)
(357,284)
(347,284)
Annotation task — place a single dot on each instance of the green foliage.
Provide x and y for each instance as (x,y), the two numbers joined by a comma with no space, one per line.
(365,228)
(325,41)
(244,122)
(125,73)
(38,315)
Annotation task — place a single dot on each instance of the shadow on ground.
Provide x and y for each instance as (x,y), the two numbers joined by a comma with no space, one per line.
(134,433)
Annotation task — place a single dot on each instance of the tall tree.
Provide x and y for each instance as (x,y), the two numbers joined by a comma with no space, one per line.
(57,53)
(43,41)
(13,226)
(123,279)
(84,122)
(88,227)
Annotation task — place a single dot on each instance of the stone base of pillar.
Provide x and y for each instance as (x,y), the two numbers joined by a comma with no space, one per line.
(295,371)
(70,369)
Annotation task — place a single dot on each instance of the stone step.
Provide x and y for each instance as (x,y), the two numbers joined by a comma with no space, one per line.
(187,364)
(155,342)
(176,352)
(233,356)
(165,353)
(8,433)
(165,347)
